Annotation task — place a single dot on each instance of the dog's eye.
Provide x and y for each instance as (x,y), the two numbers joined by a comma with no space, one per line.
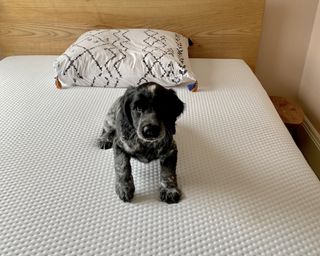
(140,106)
(139,109)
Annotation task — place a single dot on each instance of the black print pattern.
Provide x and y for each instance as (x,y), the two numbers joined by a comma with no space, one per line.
(115,58)
(156,49)
(117,48)
(114,45)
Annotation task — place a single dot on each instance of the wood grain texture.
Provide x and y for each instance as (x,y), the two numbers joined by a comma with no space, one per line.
(218,28)
(289,112)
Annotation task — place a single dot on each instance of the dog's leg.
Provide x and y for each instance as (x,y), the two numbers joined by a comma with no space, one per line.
(105,140)
(124,180)
(169,191)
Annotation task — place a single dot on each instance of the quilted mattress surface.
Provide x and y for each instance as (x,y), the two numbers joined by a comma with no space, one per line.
(247,190)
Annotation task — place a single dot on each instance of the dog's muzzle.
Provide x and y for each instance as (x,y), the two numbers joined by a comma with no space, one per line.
(151,131)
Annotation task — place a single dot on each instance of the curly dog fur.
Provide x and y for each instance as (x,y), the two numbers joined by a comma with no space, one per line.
(141,124)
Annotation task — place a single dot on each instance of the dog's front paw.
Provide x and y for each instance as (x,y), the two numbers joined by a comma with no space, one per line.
(170,195)
(104,144)
(125,191)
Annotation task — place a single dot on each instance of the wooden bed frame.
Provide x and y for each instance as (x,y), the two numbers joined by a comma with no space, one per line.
(218,28)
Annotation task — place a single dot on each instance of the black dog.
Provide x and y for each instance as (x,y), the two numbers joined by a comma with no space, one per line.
(141,124)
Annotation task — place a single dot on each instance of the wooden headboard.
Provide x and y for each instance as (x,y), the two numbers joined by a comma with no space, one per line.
(218,28)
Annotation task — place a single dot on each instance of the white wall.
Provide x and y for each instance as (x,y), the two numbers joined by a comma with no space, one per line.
(285,38)
(309,91)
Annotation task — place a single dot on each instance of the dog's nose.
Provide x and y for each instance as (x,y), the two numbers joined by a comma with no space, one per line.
(151,131)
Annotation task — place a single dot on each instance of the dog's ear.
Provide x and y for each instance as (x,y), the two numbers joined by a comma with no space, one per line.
(176,107)
(125,118)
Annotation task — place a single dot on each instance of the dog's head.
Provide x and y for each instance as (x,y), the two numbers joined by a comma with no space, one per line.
(150,111)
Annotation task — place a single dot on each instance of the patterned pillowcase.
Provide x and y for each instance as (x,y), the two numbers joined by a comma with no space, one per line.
(126,57)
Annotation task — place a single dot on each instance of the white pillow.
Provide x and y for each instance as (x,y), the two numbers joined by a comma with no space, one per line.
(126,57)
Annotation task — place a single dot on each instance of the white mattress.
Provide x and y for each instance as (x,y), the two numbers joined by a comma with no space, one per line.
(247,190)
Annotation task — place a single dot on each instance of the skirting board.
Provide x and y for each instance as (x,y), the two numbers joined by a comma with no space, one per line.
(309,143)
